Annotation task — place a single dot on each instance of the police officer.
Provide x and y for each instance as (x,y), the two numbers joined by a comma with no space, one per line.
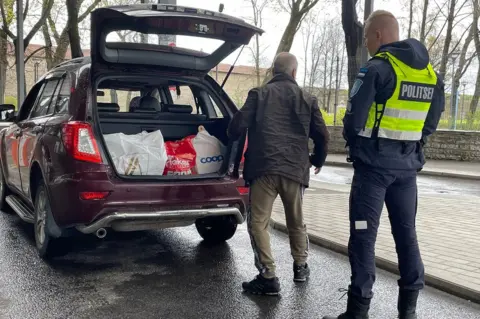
(395,103)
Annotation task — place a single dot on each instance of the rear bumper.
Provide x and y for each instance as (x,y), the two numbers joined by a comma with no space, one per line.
(133,221)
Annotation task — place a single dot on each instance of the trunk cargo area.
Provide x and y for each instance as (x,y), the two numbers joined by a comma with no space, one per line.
(165,132)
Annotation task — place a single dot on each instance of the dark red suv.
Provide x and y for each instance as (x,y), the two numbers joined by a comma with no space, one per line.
(56,168)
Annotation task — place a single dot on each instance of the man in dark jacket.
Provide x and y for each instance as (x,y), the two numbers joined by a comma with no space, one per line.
(395,104)
(280,119)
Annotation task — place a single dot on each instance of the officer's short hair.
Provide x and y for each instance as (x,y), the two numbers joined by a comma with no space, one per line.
(385,19)
(380,13)
(285,62)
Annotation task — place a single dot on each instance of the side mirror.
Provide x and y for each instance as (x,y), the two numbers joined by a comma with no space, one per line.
(7,107)
(7,113)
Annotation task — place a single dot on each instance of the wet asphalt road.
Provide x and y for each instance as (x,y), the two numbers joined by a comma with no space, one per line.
(426,184)
(173,274)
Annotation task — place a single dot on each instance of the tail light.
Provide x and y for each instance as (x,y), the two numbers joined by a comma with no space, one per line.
(93,195)
(80,143)
(242,190)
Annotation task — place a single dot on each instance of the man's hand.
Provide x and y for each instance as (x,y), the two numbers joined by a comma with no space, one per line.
(317,170)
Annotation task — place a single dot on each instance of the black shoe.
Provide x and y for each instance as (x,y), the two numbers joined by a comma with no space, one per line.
(301,273)
(357,308)
(407,304)
(262,286)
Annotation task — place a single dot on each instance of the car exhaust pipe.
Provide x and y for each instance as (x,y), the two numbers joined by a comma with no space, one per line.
(101,233)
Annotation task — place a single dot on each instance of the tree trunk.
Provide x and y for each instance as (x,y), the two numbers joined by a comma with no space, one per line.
(332,62)
(49,47)
(474,102)
(62,48)
(3,65)
(306,59)
(72,26)
(257,59)
(410,20)
(423,36)
(353,38)
(287,40)
(342,63)
(448,39)
(462,63)
(476,39)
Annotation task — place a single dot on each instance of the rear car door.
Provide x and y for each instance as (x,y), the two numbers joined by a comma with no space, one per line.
(12,139)
(143,21)
(33,127)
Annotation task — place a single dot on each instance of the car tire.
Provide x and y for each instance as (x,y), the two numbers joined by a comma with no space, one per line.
(216,229)
(4,192)
(47,246)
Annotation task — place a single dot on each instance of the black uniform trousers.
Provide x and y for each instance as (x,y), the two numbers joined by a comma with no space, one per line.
(371,187)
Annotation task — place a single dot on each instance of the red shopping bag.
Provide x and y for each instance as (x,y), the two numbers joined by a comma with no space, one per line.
(181,157)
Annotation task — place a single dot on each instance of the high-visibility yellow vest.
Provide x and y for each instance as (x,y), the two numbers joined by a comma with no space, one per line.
(403,115)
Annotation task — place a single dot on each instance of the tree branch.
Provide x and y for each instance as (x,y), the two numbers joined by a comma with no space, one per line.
(307,6)
(45,12)
(88,10)
(25,12)
(35,52)
(4,19)
(53,27)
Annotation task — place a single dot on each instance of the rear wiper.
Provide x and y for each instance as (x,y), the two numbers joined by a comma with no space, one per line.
(231,68)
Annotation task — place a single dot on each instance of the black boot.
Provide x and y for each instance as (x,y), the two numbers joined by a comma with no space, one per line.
(301,273)
(357,308)
(407,304)
(262,286)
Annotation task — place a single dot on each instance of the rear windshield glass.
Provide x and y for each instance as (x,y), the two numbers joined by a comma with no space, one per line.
(121,97)
(116,96)
(201,45)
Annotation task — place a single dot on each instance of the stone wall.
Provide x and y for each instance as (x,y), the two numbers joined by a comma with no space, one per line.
(443,145)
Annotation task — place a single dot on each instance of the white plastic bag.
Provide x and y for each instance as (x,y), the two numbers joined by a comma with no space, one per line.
(139,154)
(210,152)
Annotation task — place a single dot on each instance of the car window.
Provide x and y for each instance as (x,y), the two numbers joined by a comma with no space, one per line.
(29,102)
(61,104)
(43,103)
(218,112)
(185,97)
(125,99)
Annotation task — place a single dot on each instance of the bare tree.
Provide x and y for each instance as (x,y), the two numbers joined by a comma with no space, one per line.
(7,18)
(257,9)
(55,54)
(410,19)
(337,50)
(424,22)
(452,14)
(353,30)
(297,9)
(464,60)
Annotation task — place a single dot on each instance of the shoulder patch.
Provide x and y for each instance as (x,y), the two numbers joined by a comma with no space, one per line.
(362,73)
(356,87)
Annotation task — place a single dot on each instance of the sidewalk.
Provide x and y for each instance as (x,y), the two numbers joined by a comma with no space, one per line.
(448,231)
(457,169)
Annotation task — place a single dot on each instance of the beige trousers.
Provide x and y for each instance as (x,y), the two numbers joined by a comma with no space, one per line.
(263,193)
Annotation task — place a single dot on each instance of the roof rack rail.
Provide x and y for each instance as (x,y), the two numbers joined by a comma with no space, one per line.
(72,61)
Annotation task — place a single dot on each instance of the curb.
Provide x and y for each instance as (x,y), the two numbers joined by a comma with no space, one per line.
(432,281)
(422,172)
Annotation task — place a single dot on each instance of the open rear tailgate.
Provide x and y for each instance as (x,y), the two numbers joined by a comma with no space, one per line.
(166,20)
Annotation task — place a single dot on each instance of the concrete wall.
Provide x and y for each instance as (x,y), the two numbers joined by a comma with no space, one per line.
(443,145)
